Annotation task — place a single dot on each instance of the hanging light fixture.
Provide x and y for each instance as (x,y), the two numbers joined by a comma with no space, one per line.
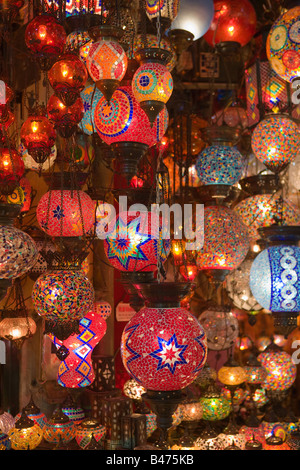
(11,169)
(219,164)
(221,327)
(90,96)
(65,118)
(68,76)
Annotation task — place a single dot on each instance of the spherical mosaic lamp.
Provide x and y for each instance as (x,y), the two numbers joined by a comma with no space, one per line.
(45,37)
(106,61)
(59,428)
(73,410)
(68,76)
(26,434)
(90,96)
(280,369)
(87,429)
(152,85)
(275,141)
(215,406)
(226,241)
(32,165)
(5,443)
(233,22)
(34,413)
(166,11)
(152,41)
(262,210)
(219,164)
(65,213)
(11,170)
(283,44)
(221,327)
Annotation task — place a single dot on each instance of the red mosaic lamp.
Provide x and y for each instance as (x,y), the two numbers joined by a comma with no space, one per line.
(11,169)
(106,60)
(65,118)
(45,37)
(68,76)
(38,135)
(163,347)
(233,22)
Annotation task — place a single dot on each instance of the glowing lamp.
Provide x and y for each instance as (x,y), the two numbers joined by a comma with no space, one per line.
(34,413)
(5,443)
(276,443)
(26,434)
(215,406)
(68,76)
(152,41)
(38,136)
(231,374)
(152,86)
(59,428)
(132,389)
(219,164)
(90,96)
(221,327)
(45,37)
(87,429)
(173,350)
(226,240)
(16,328)
(11,170)
(62,296)
(283,46)
(280,369)
(275,141)
(233,21)
(74,412)
(75,8)
(106,63)
(166,11)
(188,272)
(65,213)
(76,369)
(31,164)
(65,118)
(133,242)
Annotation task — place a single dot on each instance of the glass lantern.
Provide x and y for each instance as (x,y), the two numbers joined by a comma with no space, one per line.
(221,327)
(87,429)
(219,164)
(59,428)
(26,434)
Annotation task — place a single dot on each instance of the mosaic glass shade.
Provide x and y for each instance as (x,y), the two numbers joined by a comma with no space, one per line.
(221,328)
(31,164)
(250,432)
(65,118)
(219,164)
(281,371)
(34,413)
(68,76)
(18,252)
(21,195)
(11,170)
(194,17)
(59,428)
(233,116)
(76,370)
(238,289)
(45,37)
(106,60)
(102,308)
(79,7)
(162,8)
(17,328)
(7,422)
(152,82)
(274,278)
(239,394)
(276,444)
(76,39)
(5,443)
(264,210)
(74,413)
(233,21)
(226,240)
(27,437)
(163,349)
(283,44)
(66,213)
(122,120)
(88,428)
(275,141)
(152,42)
(238,439)
(215,408)
(38,137)
(63,295)
(231,375)
(90,96)
(133,242)
(132,389)
(191,410)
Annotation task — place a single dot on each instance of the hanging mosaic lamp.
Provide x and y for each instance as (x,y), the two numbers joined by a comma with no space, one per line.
(215,406)
(26,434)
(16,326)
(90,96)
(65,118)
(283,44)
(45,37)
(124,126)
(226,241)
(152,83)
(38,135)
(106,60)
(64,210)
(275,141)
(219,164)
(153,42)
(59,428)
(76,369)
(68,76)
(165,11)
(280,369)
(22,195)
(233,22)
(274,275)
(31,164)
(173,350)
(11,169)
(34,413)
(221,327)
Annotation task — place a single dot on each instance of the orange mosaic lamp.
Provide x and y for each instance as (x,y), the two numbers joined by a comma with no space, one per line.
(26,434)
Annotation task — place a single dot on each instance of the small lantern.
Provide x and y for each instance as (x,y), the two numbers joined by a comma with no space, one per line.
(11,170)
(87,429)
(26,434)
(34,413)
(65,118)
(59,428)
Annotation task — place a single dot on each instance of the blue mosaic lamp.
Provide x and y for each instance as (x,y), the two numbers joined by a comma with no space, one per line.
(219,164)
(275,275)
(90,96)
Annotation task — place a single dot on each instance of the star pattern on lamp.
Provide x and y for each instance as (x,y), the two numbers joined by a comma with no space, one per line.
(169,354)
(129,247)
(129,354)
